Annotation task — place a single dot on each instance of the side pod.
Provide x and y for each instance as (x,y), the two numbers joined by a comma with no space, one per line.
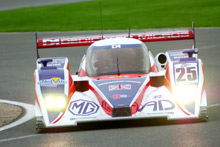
(53,89)
(185,79)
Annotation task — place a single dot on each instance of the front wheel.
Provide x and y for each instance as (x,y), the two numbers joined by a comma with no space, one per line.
(40,127)
(203,116)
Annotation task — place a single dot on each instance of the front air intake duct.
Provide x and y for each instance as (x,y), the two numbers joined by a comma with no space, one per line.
(121,111)
(161,60)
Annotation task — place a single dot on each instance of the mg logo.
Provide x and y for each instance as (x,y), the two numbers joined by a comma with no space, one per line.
(83,107)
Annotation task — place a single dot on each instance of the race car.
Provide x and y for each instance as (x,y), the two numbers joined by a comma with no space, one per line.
(119,79)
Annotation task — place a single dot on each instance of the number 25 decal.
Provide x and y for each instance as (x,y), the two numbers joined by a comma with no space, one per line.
(186,74)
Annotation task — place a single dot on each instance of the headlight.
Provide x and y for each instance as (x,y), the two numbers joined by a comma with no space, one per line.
(50,102)
(60,102)
(185,94)
(54,102)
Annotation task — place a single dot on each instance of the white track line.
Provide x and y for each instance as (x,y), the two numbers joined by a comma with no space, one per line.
(17,138)
(213,105)
(208,47)
(29,114)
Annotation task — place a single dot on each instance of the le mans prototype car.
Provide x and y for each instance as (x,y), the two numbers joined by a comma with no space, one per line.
(119,79)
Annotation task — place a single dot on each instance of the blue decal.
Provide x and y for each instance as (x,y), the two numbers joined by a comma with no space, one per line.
(83,107)
(53,82)
(120,91)
(115,46)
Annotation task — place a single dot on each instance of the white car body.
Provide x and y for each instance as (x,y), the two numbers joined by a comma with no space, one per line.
(173,89)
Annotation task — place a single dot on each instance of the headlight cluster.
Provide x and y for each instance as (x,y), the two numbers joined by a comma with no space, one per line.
(54,102)
(185,94)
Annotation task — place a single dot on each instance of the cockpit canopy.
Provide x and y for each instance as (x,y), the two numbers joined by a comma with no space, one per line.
(117,59)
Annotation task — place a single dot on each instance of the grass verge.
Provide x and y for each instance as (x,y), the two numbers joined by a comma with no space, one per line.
(117,14)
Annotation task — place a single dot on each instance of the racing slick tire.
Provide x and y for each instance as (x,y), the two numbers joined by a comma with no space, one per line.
(203,116)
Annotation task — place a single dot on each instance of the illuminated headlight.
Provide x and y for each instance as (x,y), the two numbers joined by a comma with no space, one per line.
(185,94)
(50,102)
(54,102)
(60,102)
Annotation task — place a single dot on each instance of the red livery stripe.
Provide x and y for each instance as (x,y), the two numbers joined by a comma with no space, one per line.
(135,106)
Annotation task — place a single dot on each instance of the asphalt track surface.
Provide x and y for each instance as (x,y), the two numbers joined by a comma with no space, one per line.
(15,4)
(17,64)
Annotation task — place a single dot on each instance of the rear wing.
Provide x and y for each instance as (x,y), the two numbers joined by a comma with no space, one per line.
(146,37)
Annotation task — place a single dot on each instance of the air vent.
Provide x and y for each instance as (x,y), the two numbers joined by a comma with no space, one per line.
(121,112)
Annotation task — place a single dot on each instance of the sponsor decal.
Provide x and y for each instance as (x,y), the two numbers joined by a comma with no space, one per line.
(119,87)
(106,83)
(160,105)
(57,63)
(83,107)
(72,119)
(180,57)
(158,97)
(117,96)
(53,82)
(186,73)
(137,82)
(114,82)
(116,46)
(160,113)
